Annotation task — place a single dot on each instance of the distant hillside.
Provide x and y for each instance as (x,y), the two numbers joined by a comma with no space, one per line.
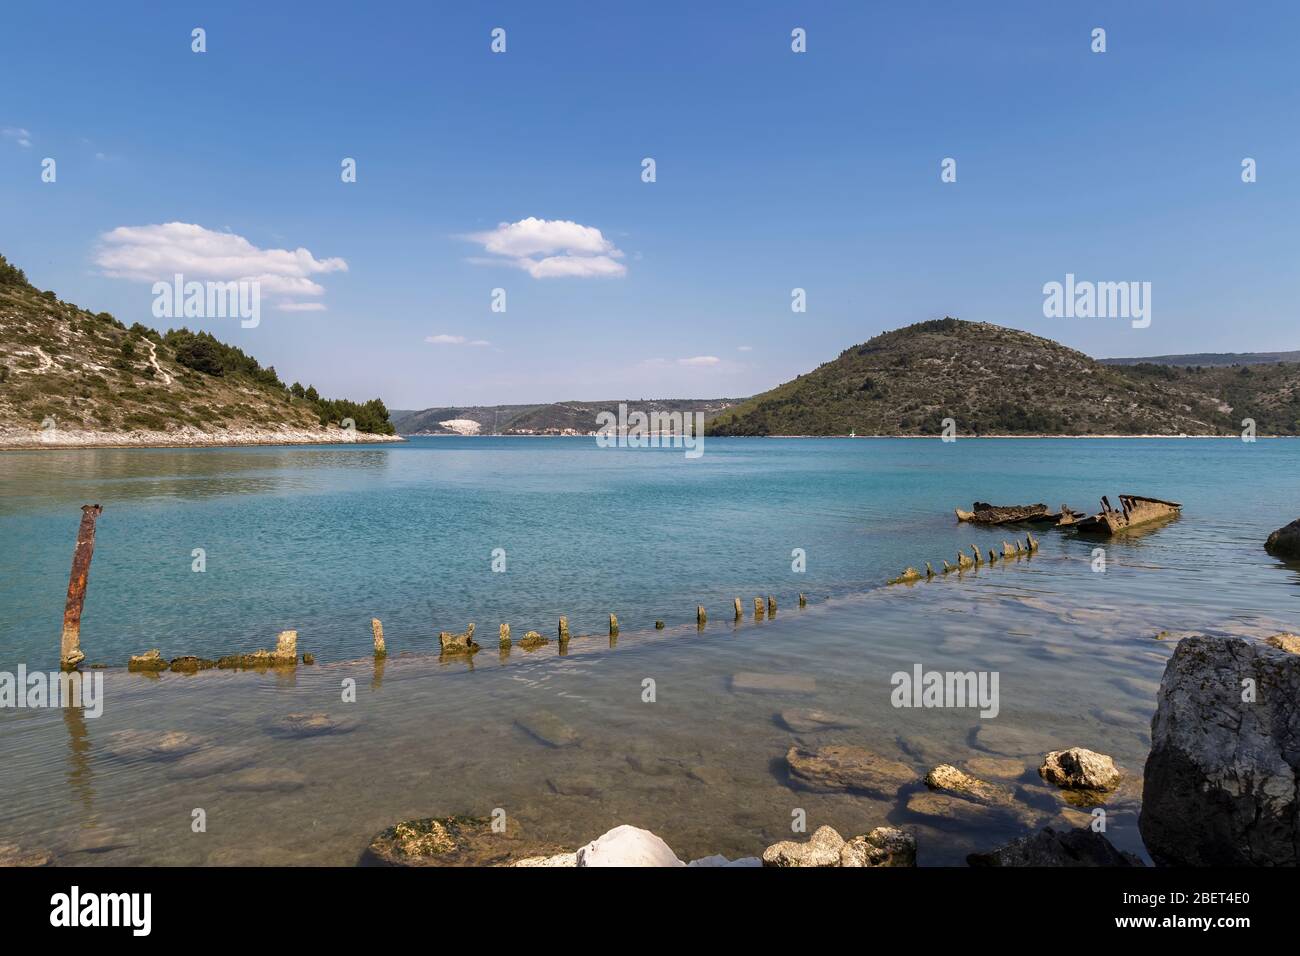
(1209,359)
(993,380)
(69,376)
(557,418)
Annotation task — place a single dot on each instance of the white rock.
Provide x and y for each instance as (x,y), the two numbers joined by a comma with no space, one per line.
(627,846)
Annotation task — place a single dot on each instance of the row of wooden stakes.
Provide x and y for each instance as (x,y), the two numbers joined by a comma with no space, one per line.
(463,643)
(965,561)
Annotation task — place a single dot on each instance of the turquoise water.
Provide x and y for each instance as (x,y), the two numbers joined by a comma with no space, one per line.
(321,539)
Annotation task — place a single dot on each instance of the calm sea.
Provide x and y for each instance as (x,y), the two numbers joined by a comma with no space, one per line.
(322,539)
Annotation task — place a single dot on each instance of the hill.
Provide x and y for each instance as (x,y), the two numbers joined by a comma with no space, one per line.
(72,377)
(993,380)
(1209,359)
(555,418)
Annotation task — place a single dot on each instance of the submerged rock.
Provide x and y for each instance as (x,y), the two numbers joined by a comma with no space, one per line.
(98,840)
(773,683)
(211,760)
(455,841)
(308,725)
(1001,738)
(883,846)
(152,744)
(1285,542)
(847,768)
(12,854)
(804,721)
(1221,781)
(191,665)
(1080,769)
(952,812)
(548,728)
(1047,847)
(1006,768)
(149,661)
(265,780)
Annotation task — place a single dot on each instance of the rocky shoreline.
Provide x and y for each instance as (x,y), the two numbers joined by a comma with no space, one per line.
(26,439)
(1219,789)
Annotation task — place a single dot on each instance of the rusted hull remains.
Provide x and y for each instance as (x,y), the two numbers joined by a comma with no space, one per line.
(1134,511)
(70,654)
(984,513)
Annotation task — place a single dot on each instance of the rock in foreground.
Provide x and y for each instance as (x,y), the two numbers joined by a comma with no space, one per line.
(1047,847)
(1221,779)
(883,846)
(1080,769)
(1285,542)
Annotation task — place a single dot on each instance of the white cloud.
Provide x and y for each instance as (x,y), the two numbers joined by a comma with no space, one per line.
(700,361)
(158,252)
(551,248)
(301,306)
(19,135)
(454,340)
(744,348)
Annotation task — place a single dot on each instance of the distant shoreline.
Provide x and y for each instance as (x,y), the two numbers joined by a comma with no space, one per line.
(859,437)
(28,440)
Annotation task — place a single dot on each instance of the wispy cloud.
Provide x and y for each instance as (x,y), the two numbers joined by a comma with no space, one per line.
(301,306)
(744,348)
(157,252)
(19,135)
(551,248)
(454,340)
(700,361)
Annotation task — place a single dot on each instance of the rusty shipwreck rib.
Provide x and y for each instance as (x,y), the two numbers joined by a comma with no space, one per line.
(70,653)
(984,513)
(1134,510)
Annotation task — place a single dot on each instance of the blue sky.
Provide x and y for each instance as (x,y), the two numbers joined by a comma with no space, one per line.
(775,170)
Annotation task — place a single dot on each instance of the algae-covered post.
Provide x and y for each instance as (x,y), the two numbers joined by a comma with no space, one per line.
(739,611)
(803,600)
(564,629)
(700,617)
(377,628)
(286,647)
(771,606)
(758,609)
(613,625)
(70,653)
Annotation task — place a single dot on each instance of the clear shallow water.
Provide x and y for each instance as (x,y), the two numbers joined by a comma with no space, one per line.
(322,539)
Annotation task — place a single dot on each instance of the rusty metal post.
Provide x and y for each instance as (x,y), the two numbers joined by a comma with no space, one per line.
(70,654)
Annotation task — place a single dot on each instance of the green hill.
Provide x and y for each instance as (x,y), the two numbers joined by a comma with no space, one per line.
(89,379)
(994,380)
